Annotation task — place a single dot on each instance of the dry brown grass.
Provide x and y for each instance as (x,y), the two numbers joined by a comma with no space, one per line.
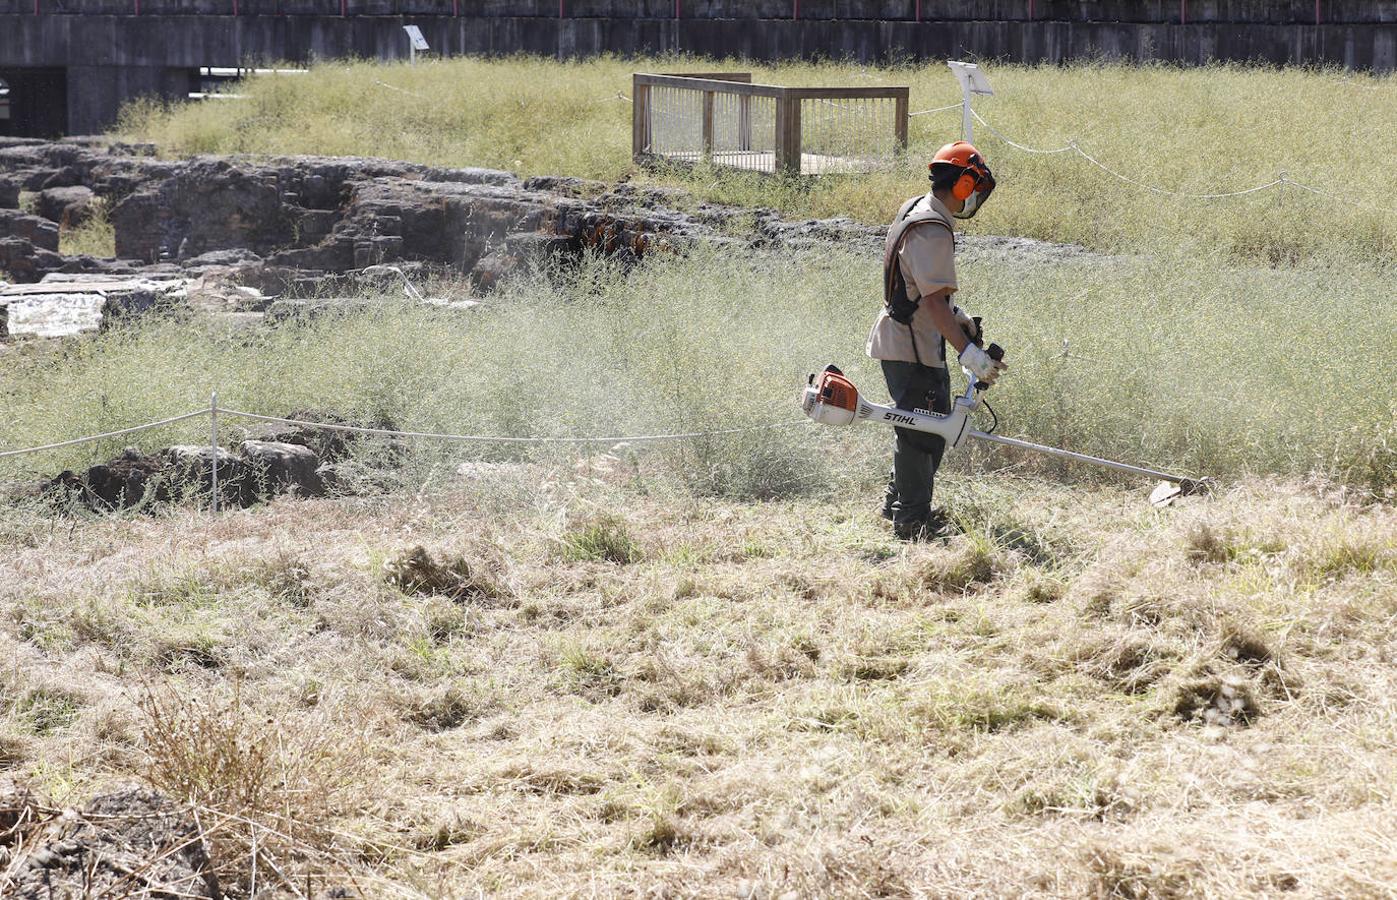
(1081,696)
(266,780)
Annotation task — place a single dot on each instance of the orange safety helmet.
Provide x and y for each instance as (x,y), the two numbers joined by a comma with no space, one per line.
(975,183)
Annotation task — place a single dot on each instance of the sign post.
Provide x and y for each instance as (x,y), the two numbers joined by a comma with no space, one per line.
(415,42)
(213,453)
(972,81)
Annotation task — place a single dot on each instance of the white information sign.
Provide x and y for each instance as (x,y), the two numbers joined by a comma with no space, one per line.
(972,81)
(415,42)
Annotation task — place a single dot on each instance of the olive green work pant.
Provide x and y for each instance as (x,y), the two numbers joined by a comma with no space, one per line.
(916,454)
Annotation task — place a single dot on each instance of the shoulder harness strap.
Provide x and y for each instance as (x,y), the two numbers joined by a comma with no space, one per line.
(899,308)
(894,285)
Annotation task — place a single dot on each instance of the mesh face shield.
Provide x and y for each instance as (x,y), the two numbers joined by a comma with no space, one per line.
(984,186)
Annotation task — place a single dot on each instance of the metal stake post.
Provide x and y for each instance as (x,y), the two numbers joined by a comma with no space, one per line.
(213,457)
(967,121)
(972,81)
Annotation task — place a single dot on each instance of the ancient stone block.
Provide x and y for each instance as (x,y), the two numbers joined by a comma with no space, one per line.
(276,468)
(68,206)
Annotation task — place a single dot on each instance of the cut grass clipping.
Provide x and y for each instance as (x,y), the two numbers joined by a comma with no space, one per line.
(1202,707)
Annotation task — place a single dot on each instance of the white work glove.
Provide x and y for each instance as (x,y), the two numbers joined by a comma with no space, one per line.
(980,364)
(966,323)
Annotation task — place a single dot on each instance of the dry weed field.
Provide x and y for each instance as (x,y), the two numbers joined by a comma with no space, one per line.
(706,669)
(547,684)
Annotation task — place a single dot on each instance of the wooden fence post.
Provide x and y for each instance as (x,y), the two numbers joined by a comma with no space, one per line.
(744,122)
(640,119)
(788,134)
(213,453)
(707,125)
(900,120)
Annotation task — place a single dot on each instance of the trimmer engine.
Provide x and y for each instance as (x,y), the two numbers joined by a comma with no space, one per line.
(832,399)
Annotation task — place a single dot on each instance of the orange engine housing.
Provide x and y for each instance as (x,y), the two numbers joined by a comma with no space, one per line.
(831,398)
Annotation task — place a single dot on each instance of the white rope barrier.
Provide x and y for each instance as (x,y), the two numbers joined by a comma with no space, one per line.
(498,439)
(387,432)
(384,84)
(394,270)
(927,112)
(1159,190)
(1314,190)
(1073,147)
(5,454)
(1068,148)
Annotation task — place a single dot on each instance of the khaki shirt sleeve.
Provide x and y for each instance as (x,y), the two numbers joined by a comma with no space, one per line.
(928,260)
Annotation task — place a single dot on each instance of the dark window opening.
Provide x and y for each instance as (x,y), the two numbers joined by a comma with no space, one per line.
(33,102)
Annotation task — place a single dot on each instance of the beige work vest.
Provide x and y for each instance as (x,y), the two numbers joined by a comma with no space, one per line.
(928,263)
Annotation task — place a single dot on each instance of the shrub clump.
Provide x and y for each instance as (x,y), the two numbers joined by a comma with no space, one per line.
(966,565)
(418,572)
(605,539)
(443,710)
(1216,700)
(284,778)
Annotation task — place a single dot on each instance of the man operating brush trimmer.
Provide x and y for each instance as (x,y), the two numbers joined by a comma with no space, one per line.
(918,319)
(909,339)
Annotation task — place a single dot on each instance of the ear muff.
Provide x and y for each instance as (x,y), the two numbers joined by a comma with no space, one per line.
(964,186)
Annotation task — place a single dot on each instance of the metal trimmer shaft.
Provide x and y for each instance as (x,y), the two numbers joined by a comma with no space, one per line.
(1080,457)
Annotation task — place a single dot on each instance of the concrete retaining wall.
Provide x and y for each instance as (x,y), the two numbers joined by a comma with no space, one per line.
(114,58)
(1270,12)
(175,41)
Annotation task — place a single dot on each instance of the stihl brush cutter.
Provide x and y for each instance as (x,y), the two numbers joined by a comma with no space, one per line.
(832,399)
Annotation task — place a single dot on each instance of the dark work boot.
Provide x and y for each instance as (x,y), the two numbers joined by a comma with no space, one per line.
(934,528)
(890,502)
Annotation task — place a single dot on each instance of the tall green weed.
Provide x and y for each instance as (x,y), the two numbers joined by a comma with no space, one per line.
(1189,367)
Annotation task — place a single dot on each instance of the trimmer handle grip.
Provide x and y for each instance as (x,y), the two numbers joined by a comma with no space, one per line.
(996,353)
